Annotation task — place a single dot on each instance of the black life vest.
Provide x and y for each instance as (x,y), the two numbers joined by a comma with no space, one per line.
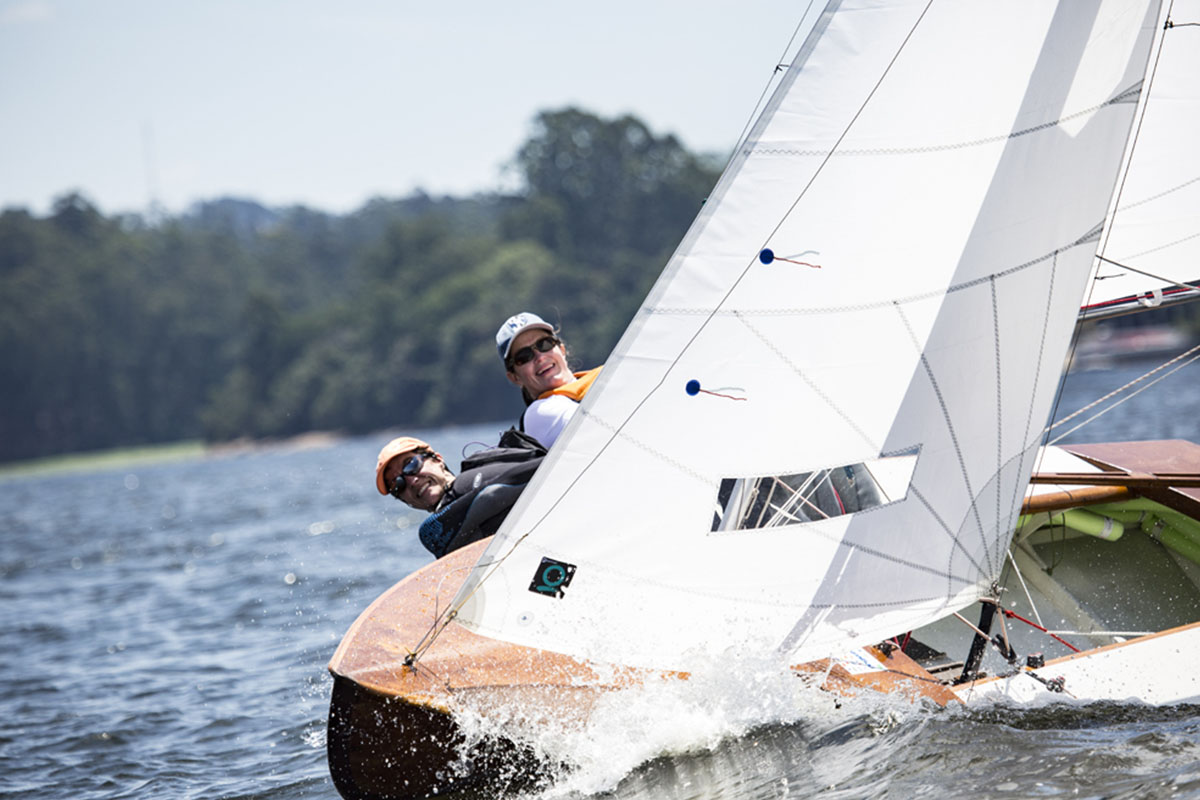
(479,499)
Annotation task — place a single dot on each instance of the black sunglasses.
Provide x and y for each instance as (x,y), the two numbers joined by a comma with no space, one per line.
(525,354)
(412,465)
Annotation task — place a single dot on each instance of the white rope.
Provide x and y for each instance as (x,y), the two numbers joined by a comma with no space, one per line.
(1025,588)
(1102,633)
(1123,399)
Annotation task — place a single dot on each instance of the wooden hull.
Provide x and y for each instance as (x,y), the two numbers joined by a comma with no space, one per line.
(392,728)
(383,747)
(386,747)
(396,731)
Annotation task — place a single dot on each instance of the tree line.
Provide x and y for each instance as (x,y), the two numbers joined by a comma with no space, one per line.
(235,320)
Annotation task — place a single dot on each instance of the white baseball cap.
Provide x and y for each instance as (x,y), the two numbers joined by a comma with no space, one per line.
(513,327)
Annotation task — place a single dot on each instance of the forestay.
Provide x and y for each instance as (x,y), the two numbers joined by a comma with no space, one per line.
(948,167)
(1156,227)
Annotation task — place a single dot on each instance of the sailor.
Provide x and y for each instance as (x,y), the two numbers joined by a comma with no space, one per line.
(465,508)
(535,359)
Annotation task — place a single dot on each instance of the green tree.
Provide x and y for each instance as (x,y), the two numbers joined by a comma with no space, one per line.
(237,320)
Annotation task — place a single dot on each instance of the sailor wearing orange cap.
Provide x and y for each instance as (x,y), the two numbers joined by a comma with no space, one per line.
(465,508)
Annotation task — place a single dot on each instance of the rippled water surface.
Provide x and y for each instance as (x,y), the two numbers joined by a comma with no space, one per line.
(165,629)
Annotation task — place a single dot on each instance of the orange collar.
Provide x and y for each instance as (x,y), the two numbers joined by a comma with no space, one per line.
(577,388)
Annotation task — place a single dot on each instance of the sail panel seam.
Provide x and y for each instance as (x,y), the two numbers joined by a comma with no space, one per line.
(1122,97)
(878,304)
(815,389)
(1018,488)
(1158,196)
(949,533)
(949,423)
(1156,249)
(707,480)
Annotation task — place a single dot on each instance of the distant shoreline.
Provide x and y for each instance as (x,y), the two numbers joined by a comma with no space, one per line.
(103,459)
(121,457)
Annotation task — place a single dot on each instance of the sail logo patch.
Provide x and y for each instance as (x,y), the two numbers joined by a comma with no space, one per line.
(552,577)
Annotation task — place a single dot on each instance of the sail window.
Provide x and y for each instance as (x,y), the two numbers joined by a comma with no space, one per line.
(750,503)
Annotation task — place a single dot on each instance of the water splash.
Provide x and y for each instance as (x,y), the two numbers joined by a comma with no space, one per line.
(586,741)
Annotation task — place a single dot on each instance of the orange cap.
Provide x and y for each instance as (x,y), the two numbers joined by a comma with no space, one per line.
(394,449)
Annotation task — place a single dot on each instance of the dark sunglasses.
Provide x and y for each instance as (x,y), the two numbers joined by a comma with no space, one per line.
(525,354)
(412,465)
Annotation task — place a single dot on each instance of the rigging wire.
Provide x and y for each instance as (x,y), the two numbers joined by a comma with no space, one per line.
(1118,390)
(423,643)
(1194,356)
(1024,586)
(1173,282)
(780,66)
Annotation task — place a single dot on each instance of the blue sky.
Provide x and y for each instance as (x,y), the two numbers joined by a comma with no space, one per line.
(331,103)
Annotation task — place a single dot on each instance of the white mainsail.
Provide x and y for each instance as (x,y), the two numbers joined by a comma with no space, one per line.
(1154,238)
(948,166)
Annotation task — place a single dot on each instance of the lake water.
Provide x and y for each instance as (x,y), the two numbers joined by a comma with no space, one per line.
(165,630)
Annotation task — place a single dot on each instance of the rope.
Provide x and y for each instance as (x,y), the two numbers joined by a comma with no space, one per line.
(1193,352)
(1111,634)
(1033,624)
(443,617)
(1186,287)
(780,66)
(1024,586)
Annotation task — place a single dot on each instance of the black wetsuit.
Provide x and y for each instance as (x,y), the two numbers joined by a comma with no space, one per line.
(478,500)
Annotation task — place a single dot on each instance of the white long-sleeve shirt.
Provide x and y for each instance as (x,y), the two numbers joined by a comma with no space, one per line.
(545,419)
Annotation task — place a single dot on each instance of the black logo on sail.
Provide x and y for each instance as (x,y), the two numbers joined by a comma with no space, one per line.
(552,577)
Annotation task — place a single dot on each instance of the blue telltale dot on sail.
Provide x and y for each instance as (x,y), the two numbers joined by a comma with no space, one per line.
(766,255)
(693,387)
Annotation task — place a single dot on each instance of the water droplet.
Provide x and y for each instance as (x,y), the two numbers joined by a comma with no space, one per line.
(319,528)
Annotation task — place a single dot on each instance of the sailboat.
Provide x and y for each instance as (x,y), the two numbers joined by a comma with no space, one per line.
(822,439)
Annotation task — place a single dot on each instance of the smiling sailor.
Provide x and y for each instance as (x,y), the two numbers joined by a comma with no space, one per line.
(465,508)
(535,359)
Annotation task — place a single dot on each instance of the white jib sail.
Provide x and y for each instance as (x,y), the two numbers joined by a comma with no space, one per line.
(1156,227)
(948,166)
